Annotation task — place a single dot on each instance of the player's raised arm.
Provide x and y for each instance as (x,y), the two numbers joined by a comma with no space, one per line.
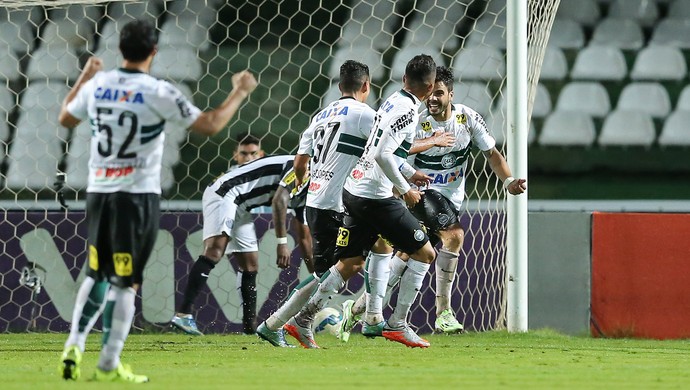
(211,122)
(93,66)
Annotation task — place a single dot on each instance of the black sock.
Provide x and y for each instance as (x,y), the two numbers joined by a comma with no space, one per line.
(197,280)
(248,290)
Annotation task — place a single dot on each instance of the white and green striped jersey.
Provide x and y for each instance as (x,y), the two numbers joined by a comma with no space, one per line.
(335,139)
(127,111)
(447,165)
(392,136)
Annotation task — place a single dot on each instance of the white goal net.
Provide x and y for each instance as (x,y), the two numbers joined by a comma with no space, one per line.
(295,49)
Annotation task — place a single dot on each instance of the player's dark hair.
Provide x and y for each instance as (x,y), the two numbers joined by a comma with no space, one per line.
(353,75)
(418,70)
(138,39)
(245,138)
(445,75)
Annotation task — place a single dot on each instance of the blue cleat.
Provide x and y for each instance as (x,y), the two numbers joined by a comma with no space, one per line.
(186,324)
(275,337)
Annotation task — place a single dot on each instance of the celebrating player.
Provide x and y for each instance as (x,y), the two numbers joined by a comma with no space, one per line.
(373,211)
(127,109)
(445,133)
(333,142)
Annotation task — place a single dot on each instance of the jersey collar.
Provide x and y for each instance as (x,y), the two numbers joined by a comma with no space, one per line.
(132,71)
(411,96)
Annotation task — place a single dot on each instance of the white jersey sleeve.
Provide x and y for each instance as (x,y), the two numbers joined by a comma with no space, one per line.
(306,140)
(173,106)
(481,135)
(79,107)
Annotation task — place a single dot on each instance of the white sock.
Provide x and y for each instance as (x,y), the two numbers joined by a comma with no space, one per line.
(76,336)
(397,269)
(360,305)
(331,283)
(298,298)
(377,271)
(123,314)
(446,266)
(410,284)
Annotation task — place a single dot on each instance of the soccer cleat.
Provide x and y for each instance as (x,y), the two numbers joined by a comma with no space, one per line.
(275,337)
(302,334)
(348,322)
(405,335)
(446,323)
(186,324)
(123,373)
(372,331)
(70,362)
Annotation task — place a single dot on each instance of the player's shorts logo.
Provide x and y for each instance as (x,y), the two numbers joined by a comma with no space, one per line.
(418,235)
(343,237)
(93,258)
(448,160)
(442,219)
(123,264)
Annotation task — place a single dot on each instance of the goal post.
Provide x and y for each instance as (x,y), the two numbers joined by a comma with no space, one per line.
(495,48)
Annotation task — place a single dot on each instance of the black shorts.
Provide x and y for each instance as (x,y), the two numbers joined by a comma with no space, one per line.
(122,229)
(366,219)
(324,226)
(436,213)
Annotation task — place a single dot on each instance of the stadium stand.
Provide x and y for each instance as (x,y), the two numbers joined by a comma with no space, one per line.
(676,131)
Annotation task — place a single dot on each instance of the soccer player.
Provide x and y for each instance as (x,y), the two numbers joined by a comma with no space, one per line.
(445,133)
(248,149)
(227,204)
(373,212)
(127,109)
(333,142)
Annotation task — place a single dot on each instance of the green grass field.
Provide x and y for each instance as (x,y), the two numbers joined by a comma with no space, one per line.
(538,359)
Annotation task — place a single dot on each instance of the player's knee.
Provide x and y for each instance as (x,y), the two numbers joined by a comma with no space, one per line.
(426,254)
(453,239)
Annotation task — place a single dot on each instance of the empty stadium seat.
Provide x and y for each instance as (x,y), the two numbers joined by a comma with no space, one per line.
(659,63)
(621,33)
(679,9)
(554,66)
(37,146)
(542,102)
(648,97)
(370,25)
(586,97)
(627,128)
(683,103)
(586,12)
(567,128)
(496,122)
(73,25)
(7,102)
(178,64)
(644,12)
(479,63)
(187,24)
(18,27)
(56,61)
(676,131)
(672,32)
(475,95)
(566,34)
(9,63)
(489,30)
(434,24)
(599,63)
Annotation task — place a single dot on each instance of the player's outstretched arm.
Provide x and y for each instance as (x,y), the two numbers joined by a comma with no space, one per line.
(93,66)
(211,122)
(500,167)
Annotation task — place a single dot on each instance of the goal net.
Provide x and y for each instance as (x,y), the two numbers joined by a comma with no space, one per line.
(295,50)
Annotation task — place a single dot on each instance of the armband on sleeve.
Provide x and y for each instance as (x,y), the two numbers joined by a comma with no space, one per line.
(406,169)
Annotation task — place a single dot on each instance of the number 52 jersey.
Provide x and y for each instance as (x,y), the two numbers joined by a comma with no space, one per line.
(127,112)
